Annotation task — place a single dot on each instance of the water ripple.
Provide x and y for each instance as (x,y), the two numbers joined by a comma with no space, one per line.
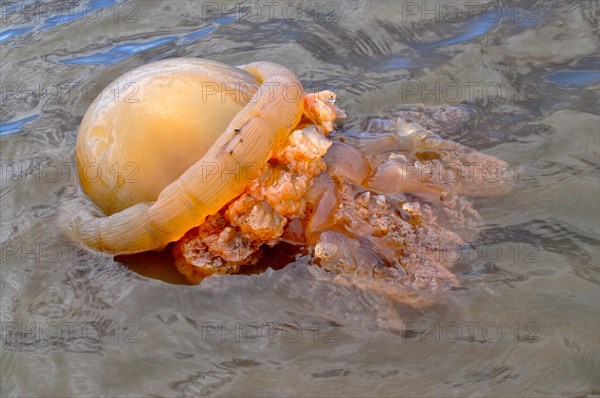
(118,53)
(579,78)
(16,126)
(473,30)
(8,33)
(122,51)
(365,53)
(64,14)
(555,236)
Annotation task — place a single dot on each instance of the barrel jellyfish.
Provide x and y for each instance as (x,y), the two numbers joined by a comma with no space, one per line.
(215,163)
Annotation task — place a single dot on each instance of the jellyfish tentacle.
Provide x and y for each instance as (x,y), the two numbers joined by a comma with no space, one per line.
(220,175)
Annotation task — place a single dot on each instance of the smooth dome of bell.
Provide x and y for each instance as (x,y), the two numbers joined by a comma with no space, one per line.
(153,123)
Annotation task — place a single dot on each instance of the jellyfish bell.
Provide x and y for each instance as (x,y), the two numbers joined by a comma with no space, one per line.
(143,157)
(153,123)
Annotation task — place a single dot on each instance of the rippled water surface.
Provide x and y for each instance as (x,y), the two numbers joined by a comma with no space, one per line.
(527,319)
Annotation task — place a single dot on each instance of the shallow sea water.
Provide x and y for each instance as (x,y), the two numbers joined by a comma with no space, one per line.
(525,323)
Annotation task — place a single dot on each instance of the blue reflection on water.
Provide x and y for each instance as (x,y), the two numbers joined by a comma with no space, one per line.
(424,60)
(16,126)
(518,17)
(397,63)
(7,34)
(121,52)
(118,53)
(574,78)
(225,19)
(200,33)
(192,37)
(89,11)
(477,28)
(61,15)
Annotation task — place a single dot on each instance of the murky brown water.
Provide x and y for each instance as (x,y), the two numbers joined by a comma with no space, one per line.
(80,324)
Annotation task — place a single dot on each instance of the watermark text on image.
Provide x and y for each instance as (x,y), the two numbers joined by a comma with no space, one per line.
(457,92)
(438,11)
(265,11)
(50,13)
(51,171)
(470,253)
(480,332)
(53,332)
(66,92)
(289,332)
(128,92)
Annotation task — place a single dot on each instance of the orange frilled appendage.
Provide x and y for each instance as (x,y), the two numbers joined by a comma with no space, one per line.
(384,209)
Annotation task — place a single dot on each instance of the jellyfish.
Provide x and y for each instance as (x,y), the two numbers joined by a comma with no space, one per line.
(216,162)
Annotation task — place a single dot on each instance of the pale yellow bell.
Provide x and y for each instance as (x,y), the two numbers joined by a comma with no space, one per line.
(151,124)
(145,145)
